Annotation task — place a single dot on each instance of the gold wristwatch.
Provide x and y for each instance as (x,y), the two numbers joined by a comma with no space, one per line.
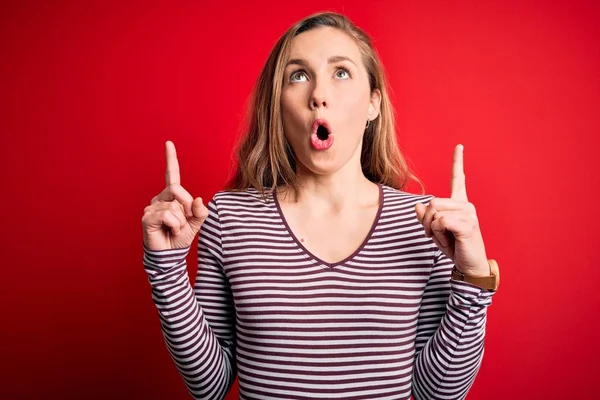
(490,282)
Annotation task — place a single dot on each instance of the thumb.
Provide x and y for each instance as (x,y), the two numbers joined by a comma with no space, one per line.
(420,210)
(200,212)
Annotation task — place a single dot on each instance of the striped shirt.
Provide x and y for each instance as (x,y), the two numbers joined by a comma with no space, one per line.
(387,322)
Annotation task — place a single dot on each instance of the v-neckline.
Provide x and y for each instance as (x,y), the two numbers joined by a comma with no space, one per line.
(354,253)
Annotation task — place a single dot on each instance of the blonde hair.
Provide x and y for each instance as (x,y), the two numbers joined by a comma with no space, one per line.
(266,160)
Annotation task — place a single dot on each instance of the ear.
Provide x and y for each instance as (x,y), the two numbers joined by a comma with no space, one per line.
(374,104)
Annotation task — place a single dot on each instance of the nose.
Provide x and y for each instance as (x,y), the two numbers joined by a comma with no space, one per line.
(318,97)
(318,102)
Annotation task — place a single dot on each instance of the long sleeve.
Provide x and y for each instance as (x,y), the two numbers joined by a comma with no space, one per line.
(450,335)
(197,323)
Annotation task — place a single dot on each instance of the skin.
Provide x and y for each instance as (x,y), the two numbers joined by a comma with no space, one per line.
(174,209)
(329,81)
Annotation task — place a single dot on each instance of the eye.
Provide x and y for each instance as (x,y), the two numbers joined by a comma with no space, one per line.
(342,73)
(298,76)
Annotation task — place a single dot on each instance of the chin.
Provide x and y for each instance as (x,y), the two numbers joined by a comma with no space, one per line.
(323,165)
(327,162)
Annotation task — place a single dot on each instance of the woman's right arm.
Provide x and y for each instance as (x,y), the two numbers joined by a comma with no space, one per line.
(197,323)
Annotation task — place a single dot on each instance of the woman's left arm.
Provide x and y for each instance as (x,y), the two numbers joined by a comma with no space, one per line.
(452,317)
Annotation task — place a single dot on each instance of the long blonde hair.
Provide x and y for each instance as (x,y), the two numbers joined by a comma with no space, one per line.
(266,160)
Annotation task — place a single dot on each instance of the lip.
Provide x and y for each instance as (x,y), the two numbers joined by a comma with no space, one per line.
(321,121)
(316,143)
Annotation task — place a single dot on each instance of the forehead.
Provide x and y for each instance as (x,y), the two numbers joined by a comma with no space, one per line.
(321,43)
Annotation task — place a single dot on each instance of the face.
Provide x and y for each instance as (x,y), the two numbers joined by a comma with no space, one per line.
(325,82)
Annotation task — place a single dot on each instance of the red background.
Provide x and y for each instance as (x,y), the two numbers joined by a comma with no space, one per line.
(89,93)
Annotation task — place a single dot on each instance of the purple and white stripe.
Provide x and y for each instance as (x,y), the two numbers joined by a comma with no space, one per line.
(386,323)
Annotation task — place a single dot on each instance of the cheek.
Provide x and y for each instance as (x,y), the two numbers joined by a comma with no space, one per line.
(355,110)
(355,103)
(289,109)
(291,119)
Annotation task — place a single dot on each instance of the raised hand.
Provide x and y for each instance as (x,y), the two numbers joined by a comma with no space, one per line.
(453,225)
(174,217)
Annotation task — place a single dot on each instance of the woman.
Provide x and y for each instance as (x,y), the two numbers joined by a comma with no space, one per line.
(318,277)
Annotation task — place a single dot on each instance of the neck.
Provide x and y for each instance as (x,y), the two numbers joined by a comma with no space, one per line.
(345,189)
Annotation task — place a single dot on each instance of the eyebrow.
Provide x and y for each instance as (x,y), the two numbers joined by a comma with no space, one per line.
(330,60)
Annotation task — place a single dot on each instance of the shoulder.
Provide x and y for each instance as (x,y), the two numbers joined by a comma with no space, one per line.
(398,217)
(395,198)
(242,200)
(249,195)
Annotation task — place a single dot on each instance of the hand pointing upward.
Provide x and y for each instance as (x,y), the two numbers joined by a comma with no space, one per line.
(174,217)
(453,225)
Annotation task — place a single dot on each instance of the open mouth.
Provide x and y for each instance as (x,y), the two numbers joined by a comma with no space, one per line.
(321,137)
(322,132)
(321,128)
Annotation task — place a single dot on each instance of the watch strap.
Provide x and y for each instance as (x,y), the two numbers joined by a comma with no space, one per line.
(490,282)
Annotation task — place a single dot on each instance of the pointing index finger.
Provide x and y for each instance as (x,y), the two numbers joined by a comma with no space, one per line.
(172,173)
(458,185)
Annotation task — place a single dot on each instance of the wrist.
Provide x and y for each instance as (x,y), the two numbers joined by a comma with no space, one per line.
(490,280)
(479,272)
